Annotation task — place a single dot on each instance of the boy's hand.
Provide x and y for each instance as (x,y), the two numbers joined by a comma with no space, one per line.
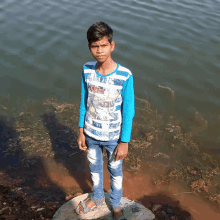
(82,140)
(121,151)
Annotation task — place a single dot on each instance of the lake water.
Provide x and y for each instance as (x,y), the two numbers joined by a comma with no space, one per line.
(173,43)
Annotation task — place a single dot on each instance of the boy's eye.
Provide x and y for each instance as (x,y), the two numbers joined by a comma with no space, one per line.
(98,46)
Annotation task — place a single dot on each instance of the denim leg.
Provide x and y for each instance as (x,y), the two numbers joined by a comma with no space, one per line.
(95,157)
(116,174)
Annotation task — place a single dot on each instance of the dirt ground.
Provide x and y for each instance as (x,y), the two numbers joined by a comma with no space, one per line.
(37,193)
(41,166)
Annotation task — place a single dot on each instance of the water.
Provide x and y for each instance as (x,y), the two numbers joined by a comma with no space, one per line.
(173,43)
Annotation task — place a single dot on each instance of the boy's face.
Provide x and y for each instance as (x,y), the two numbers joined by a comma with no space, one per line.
(102,49)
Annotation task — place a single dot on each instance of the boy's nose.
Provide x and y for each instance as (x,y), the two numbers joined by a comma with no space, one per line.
(99,49)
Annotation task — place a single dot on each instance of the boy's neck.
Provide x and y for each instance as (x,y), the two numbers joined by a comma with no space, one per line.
(107,67)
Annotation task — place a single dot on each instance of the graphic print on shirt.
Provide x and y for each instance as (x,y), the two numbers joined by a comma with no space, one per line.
(102,101)
(103,116)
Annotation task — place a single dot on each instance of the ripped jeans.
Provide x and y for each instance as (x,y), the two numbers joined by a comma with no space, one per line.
(95,157)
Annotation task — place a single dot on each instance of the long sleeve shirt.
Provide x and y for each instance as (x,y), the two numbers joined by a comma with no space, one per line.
(107,105)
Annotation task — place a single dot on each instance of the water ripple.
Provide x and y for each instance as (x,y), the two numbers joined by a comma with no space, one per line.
(171,42)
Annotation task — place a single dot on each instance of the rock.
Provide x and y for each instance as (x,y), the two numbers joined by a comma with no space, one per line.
(6,210)
(157,207)
(131,210)
(40,209)
(69,197)
(21,114)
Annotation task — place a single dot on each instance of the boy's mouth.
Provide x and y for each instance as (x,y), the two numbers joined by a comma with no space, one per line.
(100,57)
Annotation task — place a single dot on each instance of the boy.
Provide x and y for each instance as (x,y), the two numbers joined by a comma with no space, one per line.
(105,118)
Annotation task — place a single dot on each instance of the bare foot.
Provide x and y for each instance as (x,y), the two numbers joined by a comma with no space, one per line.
(89,204)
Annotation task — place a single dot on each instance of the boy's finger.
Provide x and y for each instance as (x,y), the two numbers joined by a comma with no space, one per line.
(84,145)
(83,149)
(118,156)
(81,146)
(80,143)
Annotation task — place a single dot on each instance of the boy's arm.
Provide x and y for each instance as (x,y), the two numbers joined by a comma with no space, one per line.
(82,112)
(128,111)
(83,102)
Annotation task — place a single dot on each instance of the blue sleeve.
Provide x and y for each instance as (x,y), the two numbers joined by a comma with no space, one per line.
(83,102)
(128,109)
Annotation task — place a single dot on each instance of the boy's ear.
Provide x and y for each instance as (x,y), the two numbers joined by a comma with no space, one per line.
(112,45)
(89,46)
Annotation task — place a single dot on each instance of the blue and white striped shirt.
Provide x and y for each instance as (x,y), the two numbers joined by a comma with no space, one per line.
(107,103)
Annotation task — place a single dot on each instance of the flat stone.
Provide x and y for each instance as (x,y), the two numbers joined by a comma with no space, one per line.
(132,210)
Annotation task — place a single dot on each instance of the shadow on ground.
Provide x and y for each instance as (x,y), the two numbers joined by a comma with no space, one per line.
(29,192)
(19,186)
(66,151)
(166,208)
(10,148)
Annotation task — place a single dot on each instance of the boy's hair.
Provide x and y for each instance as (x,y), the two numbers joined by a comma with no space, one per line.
(99,30)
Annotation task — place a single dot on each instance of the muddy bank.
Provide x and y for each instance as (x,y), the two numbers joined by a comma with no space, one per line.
(26,197)
(41,165)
